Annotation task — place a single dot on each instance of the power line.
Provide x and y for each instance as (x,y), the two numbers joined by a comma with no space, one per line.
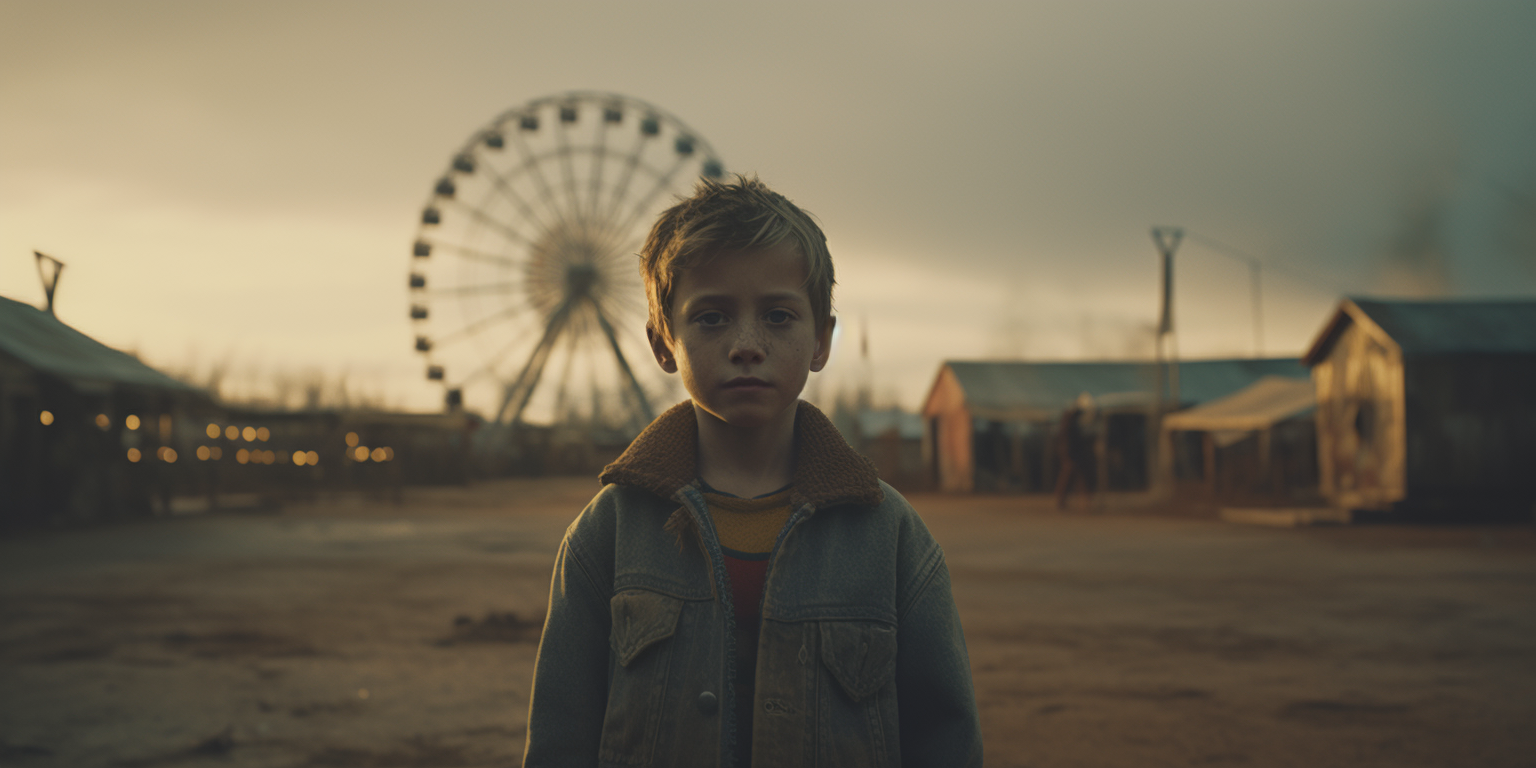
(1241,255)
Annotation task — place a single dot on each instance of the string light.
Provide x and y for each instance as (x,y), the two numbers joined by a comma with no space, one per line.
(132,422)
(213,431)
(46,417)
(133,454)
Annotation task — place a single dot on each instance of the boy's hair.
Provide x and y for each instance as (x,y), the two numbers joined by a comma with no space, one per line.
(721,217)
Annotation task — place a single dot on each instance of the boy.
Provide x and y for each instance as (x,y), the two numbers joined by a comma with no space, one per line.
(744,590)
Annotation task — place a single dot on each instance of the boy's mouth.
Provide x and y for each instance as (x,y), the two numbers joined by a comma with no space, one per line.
(746,382)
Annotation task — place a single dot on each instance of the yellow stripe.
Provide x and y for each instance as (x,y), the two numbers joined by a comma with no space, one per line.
(749,525)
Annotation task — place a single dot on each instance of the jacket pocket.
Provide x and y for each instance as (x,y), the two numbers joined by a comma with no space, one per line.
(640,620)
(643,622)
(860,654)
(858,724)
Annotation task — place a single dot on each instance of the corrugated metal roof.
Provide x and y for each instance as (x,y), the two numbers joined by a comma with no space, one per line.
(1027,390)
(1257,406)
(42,341)
(1449,327)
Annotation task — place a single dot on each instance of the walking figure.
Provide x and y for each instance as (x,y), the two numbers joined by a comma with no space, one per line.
(1074,454)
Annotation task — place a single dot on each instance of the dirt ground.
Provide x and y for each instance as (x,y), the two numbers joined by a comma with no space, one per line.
(357,633)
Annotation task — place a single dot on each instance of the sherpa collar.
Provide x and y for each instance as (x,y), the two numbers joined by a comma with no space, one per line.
(828,471)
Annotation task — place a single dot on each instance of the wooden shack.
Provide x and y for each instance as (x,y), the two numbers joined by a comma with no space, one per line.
(1427,406)
(990,425)
(86,431)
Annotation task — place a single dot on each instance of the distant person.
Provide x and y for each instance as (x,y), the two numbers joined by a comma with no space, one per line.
(744,590)
(1074,455)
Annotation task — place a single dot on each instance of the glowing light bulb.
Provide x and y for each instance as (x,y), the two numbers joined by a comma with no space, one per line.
(213,431)
(46,417)
(351,439)
(231,432)
(203,453)
(249,434)
(132,422)
(133,454)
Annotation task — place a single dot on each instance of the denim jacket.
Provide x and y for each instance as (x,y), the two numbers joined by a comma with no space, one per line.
(861,660)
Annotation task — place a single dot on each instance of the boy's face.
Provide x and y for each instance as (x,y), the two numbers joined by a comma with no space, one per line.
(744,337)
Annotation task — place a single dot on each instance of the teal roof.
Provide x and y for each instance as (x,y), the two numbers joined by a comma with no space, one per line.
(42,342)
(1455,327)
(1019,389)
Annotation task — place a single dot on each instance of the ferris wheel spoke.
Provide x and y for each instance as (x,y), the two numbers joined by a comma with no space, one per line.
(631,161)
(599,160)
(475,254)
(470,290)
(567,171)
(644,206)
(492,222)
(478,325)
(530,162)
(504,186)
(490,365)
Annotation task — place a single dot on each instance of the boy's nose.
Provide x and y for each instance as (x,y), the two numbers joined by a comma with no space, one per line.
(748,347)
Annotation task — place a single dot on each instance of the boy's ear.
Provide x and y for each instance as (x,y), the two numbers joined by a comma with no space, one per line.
(823,346)
(661,349)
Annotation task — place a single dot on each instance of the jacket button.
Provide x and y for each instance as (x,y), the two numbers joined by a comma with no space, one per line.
(708,703)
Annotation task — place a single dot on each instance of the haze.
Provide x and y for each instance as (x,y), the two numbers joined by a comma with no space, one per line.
(240,184)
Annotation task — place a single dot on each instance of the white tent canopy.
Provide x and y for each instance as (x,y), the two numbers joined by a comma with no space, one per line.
(1259,406)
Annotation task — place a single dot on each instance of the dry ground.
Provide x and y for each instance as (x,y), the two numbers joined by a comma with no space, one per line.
(326,636)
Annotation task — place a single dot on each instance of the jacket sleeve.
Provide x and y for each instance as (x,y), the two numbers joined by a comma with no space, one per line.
(937,701)
(570,678)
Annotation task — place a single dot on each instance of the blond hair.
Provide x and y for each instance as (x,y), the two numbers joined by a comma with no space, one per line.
(723,217)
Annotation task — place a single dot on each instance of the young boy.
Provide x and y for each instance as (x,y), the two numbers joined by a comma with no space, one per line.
(744,590)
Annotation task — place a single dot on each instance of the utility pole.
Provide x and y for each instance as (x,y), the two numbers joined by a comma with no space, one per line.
(49,276)
(1160,458)
(1167,240)
(1256,268)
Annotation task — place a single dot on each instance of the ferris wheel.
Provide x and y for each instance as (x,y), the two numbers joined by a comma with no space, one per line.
(525,294)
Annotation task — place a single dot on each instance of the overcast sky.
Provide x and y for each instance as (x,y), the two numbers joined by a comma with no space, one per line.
(241,182)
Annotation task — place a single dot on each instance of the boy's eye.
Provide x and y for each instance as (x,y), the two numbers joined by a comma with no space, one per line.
(779,316)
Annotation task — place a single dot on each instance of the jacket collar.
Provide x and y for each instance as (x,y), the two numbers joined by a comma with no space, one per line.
(663,460)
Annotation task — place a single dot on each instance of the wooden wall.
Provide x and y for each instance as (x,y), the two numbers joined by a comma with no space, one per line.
(1361,423)
(947,435)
